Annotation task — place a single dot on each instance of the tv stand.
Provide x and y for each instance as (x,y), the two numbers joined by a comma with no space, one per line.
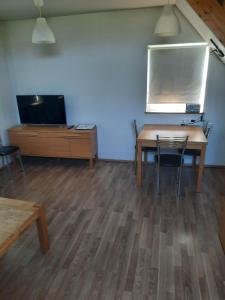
(44,141)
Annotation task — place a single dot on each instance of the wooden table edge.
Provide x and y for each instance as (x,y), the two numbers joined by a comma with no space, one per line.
(38,216)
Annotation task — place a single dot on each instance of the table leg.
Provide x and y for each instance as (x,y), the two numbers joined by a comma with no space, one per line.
(42,230)
(194,162)
(200,169)
(139,165)
(91,163)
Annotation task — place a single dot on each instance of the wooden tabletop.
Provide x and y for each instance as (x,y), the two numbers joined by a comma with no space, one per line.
(194,133)
(53,129)
(15,216)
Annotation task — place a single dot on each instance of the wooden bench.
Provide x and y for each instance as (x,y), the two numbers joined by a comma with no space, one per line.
(15,217)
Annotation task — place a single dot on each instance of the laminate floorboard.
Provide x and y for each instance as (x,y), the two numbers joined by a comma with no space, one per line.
(110,240)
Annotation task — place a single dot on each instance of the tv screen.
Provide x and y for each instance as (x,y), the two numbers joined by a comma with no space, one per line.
(42,109)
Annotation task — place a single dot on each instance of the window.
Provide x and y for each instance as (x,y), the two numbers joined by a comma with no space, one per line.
(177,76)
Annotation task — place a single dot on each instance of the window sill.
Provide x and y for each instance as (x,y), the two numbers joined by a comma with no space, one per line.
(173,113)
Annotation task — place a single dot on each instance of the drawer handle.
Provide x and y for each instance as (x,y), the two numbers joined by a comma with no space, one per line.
(27,135)
(72,137)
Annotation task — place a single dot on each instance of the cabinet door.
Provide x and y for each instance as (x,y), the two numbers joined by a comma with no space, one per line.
(80,148)
(51,147)
(37,145)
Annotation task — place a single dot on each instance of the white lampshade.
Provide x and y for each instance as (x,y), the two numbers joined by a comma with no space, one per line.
(168,23)
(42,33)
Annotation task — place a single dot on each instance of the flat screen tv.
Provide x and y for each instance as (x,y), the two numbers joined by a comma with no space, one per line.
(41,109)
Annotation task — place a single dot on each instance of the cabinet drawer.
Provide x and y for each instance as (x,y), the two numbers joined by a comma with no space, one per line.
(78,135)
(52,147)
(38,146)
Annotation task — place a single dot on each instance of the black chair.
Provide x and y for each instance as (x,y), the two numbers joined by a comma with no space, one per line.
(169,156)
(6,151)
(197,152)
(145,150)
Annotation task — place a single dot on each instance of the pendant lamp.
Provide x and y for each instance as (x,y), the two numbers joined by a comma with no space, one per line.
(168,23)
(42,33)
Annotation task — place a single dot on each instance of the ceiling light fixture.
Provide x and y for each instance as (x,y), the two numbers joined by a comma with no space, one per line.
(42,33)
(168,24)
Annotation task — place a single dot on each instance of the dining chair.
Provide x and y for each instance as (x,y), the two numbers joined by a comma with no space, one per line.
(10,151)
(197,152)
(168,156)
(145,150)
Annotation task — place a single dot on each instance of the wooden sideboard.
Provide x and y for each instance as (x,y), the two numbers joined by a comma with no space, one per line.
(55,142)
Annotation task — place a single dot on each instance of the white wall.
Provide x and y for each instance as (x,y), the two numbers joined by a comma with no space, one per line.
(99,64)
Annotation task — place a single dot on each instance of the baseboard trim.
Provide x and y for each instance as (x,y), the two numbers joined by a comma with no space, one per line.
(215,166)
(115,160)
(151,163)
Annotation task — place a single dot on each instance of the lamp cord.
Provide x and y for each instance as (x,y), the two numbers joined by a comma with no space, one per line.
(40,12)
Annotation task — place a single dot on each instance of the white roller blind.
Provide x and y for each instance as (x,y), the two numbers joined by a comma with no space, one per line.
(176,76)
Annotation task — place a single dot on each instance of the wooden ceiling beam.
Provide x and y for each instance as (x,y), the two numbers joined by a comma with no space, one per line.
(213,14)
(208,18)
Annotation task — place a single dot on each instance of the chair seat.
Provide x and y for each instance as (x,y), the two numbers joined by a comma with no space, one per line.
(169,160)
(148,149)
(7,150)
(191,152)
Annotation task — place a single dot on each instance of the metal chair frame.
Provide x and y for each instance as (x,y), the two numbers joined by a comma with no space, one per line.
(207,131)
(173,143)
(5,157)
(194,152)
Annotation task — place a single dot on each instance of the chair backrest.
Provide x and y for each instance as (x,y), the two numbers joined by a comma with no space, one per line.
(174,143)
(205,126)
(135,129)
(208,131)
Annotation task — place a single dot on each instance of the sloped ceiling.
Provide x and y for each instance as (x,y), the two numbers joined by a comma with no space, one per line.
(25,9)
(207,16)
(212,12)
(206,20)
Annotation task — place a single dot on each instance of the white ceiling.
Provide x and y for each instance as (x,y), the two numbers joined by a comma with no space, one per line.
(24,9)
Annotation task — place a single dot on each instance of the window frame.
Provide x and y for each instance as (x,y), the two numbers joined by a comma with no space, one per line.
(164,109)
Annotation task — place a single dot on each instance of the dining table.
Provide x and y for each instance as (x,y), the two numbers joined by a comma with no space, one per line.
(196,140)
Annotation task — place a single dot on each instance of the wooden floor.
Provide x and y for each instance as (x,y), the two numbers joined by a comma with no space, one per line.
(109,240)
